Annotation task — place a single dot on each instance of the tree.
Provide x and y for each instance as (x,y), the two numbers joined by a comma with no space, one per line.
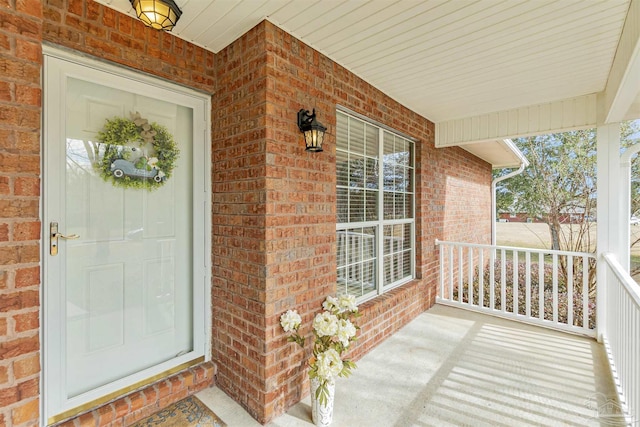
(630,135)
(558,186)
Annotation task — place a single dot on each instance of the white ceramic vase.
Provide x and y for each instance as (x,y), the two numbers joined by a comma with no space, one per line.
(322,415)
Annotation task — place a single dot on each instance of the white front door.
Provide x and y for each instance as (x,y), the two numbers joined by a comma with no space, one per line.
(124,293)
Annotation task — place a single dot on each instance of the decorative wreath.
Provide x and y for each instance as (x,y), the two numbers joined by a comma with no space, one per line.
(136,153)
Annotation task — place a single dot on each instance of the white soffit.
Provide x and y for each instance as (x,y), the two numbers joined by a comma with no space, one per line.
(498,153)
(443,59)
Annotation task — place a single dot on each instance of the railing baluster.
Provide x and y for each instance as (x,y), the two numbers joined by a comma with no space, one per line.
(460,274)
(515,282)
(481,277)
(541,285)
(492,279)
(450,273)
(585,293)
(470,273)
(555,288)
(503,281)
(569,286)
(527,258)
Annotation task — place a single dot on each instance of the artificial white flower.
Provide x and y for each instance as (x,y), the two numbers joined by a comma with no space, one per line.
(325,324)
(333,331)
(331,304)
(347,303)
(346,331)
(329,364)
(290,321)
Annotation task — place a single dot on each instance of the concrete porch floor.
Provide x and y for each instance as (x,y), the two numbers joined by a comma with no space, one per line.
(452,367)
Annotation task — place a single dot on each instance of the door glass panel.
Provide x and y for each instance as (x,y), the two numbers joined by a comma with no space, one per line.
(129,284)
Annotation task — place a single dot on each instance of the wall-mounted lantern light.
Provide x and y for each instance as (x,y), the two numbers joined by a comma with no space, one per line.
(158,14)
(312,129)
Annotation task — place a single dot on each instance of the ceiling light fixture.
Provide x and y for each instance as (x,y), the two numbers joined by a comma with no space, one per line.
(158,14)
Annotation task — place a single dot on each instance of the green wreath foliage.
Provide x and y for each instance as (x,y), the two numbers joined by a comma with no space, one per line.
(121,136)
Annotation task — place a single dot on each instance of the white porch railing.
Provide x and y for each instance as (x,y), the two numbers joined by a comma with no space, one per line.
(544,287)
(621,335)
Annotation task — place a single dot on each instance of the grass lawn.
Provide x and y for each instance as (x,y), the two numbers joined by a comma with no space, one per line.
(533,235)
(536,235)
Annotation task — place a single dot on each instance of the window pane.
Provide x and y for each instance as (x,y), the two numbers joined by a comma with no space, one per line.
(342,132)
(406,264)
(342,169)
(408,206)
(388,270)
(406,234)
(388,205)
(399,206)
(409,180)
(397,252)
(402,151)
(356,136)
(356,205)
(357,275)
(371,173)
(393,238)
(387,144)
(356,171)
(372,148)
(372,205)
(342,208)
(399,178)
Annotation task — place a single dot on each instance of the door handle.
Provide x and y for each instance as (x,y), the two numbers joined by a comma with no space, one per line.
(54,236)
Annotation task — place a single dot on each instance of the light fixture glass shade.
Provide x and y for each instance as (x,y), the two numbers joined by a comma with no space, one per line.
(158,14)
(313,139)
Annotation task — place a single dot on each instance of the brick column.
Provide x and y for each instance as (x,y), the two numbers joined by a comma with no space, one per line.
(20,95)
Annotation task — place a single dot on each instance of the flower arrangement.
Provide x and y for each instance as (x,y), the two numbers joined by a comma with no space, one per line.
(334,331)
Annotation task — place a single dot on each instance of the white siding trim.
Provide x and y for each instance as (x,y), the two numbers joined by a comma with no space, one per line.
(567,114)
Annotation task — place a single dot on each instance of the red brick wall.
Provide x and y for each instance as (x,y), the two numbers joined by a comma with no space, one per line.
(20,63)
(274,211)
(88,27)
(147,401)
(274,203)
(466,182)
(238,223)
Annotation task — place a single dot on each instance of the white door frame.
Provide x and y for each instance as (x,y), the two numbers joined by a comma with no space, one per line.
(59,64)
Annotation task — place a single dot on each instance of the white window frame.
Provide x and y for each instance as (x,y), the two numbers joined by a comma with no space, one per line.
(380,223)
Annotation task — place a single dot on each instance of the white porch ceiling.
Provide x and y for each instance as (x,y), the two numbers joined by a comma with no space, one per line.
(445,60)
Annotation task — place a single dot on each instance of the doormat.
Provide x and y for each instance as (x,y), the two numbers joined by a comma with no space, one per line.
(189,412)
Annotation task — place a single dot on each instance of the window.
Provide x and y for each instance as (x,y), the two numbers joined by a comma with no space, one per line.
(375,208)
